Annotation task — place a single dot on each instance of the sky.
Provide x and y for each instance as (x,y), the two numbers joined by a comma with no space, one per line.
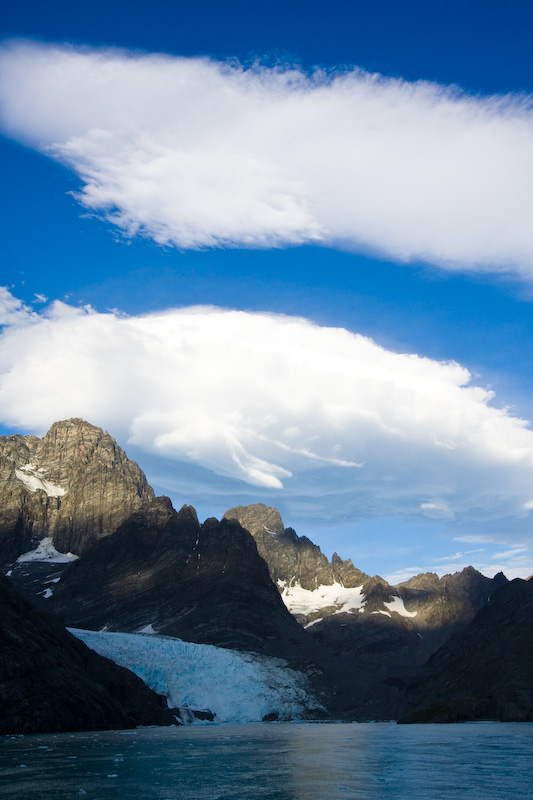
(283,254)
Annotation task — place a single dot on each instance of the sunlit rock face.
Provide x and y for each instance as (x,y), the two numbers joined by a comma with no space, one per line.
(292,559)
(75,485)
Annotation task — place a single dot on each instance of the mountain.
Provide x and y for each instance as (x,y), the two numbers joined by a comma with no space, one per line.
(50,681)
(83,536)
(391,629)
(486,670)
(87,539)
(292,560)
(75,486)
(160,570)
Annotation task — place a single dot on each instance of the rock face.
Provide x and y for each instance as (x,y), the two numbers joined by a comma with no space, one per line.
(292,559)
(486,670)
(75,485)
(50,682)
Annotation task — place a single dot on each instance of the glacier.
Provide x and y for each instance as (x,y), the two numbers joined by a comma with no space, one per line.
(237,687)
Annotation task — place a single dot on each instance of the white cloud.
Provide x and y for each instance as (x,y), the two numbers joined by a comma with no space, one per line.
(195,153)
(12,310)
(260,407)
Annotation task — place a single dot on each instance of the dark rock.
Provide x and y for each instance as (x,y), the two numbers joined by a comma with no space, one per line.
(202,583)
(486,670)
(50,681)
(205,716)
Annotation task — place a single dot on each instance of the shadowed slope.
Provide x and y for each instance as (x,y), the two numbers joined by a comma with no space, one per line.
(49,681)
(486,670)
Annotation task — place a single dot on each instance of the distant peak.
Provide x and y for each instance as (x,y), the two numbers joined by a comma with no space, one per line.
(257,518)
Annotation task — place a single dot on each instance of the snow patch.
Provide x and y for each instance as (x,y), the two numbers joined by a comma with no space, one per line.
(237,687)
(45,551)
(33,480)
(148,630)
(47,593)
(304,601)
(314,622)
(397,605)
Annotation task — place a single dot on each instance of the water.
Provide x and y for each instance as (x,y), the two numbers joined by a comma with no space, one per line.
(310,761)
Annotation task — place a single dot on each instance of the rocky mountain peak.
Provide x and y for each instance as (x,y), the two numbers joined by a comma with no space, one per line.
(74,485)
(257,518)
(292,560)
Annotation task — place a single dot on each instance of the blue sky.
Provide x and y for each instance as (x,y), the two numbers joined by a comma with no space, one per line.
(411,274)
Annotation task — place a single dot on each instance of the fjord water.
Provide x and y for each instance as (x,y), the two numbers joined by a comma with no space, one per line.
(280,761)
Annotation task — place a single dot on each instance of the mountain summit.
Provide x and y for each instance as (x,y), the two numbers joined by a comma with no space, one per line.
(75,486)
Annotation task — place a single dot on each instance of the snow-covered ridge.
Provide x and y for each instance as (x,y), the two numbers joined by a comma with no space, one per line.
(45,551)
(34,480)
(237,687)
(304,601)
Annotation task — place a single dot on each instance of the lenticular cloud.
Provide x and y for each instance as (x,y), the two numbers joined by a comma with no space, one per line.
(197,153)
(321,415)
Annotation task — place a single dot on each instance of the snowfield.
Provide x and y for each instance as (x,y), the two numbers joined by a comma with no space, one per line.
(45,551)
(33,479)
(237,687)
(304,601)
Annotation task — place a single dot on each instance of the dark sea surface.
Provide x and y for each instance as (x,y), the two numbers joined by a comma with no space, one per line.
(483,761)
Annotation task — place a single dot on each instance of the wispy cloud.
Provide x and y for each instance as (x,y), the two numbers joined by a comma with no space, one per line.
(196,153)
(266,406)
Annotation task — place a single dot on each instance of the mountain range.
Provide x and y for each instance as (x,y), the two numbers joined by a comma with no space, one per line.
(84,538)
